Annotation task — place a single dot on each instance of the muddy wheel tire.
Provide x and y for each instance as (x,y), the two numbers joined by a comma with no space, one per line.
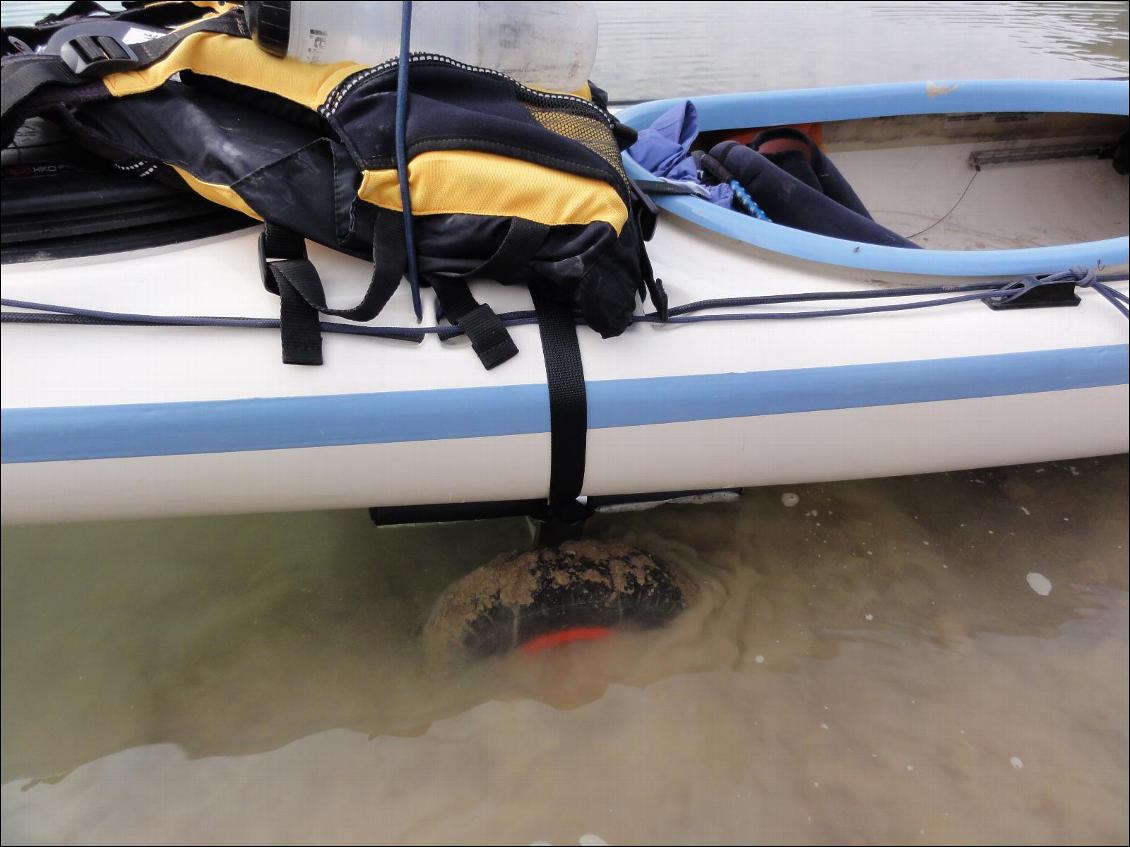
(581,586)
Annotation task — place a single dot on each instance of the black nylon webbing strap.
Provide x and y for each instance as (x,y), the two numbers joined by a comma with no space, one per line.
(388,267)
(568,407)
(24,75)
(282,257)
(488,335)
(229,23)
(298,323)
(289,273)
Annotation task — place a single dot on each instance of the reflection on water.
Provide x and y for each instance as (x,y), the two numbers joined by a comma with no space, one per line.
(686,49)
(872,663)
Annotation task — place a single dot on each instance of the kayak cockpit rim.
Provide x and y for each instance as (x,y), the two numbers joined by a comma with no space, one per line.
(776,108)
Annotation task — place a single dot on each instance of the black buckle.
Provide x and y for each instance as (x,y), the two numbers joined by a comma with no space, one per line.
(278,245)
(647,213)
(1031,293)
(97,55)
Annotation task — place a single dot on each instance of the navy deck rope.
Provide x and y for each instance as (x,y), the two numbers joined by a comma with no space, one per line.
(46,313)
(402,155)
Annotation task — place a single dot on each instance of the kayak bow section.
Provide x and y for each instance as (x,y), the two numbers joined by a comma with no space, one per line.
(281,423)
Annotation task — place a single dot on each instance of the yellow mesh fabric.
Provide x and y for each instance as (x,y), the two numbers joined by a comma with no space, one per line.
(445,182)
(591,132)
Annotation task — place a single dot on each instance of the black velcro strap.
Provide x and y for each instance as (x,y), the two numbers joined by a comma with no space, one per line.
(568,407)
(486,331)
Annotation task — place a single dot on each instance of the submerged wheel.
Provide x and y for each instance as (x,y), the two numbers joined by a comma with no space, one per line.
(579,591)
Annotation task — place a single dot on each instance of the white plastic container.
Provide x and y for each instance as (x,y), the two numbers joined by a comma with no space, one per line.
(549,45)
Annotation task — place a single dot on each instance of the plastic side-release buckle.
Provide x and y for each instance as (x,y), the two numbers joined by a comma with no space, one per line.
(97,55)
(277,244)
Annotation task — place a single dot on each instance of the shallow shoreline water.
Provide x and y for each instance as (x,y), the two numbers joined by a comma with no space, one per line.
(874,663)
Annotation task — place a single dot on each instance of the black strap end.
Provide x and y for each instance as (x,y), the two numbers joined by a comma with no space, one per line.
(299,322)
(302,355)
(659,298)
(489,337)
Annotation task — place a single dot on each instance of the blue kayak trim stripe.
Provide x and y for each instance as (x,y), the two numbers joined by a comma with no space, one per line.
(772,108)
(279,423)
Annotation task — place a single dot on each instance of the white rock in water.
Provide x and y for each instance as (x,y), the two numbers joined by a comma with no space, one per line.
(789,499)
(1016,763)
(1040,584)
(590,840)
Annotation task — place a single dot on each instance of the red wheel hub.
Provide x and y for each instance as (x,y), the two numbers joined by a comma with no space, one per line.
(566,636)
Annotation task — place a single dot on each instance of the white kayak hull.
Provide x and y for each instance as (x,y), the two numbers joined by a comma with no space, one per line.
(115,422)
(108,422)
(727,453)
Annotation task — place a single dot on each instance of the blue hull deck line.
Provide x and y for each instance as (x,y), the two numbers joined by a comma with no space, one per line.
(776,108)
(223,426)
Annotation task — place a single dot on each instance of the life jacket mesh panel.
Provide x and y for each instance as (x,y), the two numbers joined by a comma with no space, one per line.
(587,130)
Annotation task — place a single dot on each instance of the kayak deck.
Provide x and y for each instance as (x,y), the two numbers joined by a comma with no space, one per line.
(933,196)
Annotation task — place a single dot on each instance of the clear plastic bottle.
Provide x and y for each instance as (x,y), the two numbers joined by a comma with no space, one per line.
(548,45)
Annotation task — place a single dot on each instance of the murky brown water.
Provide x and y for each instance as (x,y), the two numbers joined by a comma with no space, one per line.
(874,664)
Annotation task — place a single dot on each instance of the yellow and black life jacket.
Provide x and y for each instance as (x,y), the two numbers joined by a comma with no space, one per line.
(502,181)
